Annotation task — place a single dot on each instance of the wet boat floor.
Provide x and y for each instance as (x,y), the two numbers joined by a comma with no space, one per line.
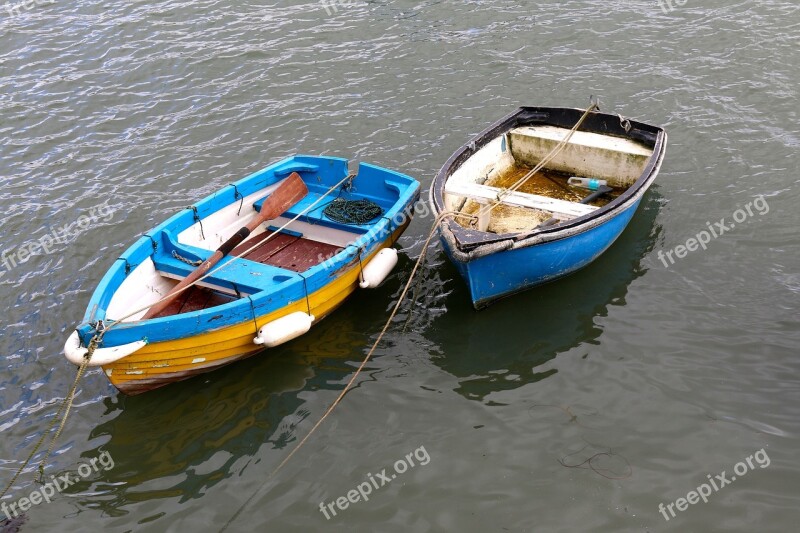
(546,182)
(290,252)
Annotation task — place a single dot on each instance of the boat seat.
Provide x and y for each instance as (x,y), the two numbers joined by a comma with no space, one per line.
(561,209)
(241,276)
(614,159)
(316,215)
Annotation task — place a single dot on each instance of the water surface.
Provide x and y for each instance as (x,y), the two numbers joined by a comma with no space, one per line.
(579,406)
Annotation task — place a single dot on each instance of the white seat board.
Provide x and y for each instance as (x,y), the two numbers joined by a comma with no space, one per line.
(483,193)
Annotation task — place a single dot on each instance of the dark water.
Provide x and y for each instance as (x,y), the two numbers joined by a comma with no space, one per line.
(580,406)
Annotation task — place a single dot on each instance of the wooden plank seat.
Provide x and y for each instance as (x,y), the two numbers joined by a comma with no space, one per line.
(561,209)
(195,299)
(255,271)
(287,250)
(231,275)
(617,160)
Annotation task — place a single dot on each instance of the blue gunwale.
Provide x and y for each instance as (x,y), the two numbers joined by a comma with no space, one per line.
(273,288)
(506,273)
(499,265)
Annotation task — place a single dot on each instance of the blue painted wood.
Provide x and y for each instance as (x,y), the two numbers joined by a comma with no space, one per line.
(316,215)
(496,265)
(272,288)
(507,272)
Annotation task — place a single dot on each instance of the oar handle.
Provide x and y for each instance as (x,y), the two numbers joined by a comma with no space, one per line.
(291,191)
(237,238)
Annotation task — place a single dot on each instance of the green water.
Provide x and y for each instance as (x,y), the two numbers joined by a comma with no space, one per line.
(578,406)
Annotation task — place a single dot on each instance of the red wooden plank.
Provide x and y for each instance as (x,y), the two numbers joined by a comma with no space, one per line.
(287,251)
(270,248)
(194,299)
(284,251)
(197,300)
(250,242)
(302,255)
(175,305)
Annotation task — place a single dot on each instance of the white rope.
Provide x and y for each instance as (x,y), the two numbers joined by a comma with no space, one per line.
(488,208)
(347,388)
(241,254)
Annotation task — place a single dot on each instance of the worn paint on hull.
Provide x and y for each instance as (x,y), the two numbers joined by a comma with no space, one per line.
(161,363)
(539,237)
(505,273)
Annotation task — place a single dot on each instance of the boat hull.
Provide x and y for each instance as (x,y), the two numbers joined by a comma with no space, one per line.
(162,363)
(301,263)
(504,273)
(496,264)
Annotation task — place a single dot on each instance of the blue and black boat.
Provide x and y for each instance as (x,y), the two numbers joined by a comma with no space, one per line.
(533,198)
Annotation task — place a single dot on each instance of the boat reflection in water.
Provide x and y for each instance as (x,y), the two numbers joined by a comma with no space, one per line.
(206,430)
(504,346)
(202,431)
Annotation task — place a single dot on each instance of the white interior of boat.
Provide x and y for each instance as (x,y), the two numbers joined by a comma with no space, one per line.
(145,285)
(619,161)
(220,226)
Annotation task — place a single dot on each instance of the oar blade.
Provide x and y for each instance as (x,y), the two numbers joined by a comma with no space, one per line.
(289,192)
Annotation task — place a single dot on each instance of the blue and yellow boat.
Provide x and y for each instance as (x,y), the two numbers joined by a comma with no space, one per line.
(290,273)
(534,197)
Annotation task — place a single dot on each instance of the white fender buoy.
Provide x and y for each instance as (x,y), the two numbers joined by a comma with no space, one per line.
(378,268)
(284,329)
(74,352)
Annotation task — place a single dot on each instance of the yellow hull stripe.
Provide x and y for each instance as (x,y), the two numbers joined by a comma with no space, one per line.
(160,363)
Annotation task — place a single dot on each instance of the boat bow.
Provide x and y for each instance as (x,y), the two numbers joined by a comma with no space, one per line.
(75,353)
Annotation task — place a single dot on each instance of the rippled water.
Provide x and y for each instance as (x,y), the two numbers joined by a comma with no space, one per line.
(643,377)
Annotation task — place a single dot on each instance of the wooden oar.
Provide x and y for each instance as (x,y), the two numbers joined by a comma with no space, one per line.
(291,191)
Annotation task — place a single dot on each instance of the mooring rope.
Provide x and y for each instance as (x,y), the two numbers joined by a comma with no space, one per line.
(371,351)
(65,406)
(349,386)
(488,208)
(439,219)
